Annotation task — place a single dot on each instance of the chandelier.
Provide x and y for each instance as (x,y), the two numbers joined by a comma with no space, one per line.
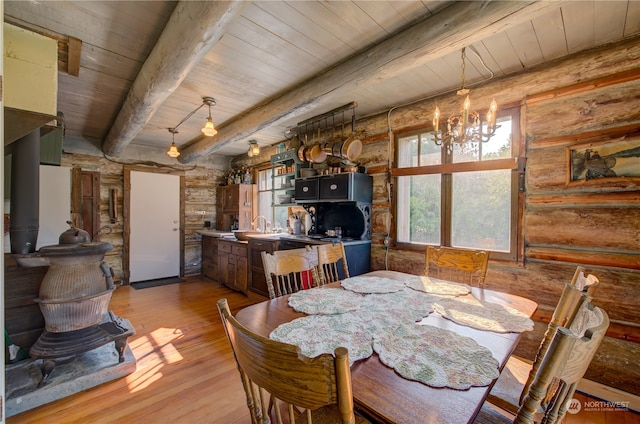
(466,127)
(254,149)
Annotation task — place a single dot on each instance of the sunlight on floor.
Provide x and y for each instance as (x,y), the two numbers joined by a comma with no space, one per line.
(153,352)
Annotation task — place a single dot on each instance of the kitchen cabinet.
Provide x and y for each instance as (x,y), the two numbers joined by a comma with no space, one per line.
(258,280)
(344,187)
(233,264)
(210,257)
(235,206)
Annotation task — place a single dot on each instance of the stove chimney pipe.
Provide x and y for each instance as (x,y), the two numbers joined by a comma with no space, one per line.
(25,190)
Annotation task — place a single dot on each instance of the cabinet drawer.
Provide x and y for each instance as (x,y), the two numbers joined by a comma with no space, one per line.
(224,247)
(239,250)
(306,189)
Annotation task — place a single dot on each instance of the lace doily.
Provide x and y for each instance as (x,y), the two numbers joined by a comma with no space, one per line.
(318,334)
(325,301)
(436,286)
(483,315)
(372,284)
(380,311)
(437,357)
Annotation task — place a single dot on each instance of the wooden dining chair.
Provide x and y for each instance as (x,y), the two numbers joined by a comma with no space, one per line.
(331,257)
(458,265)
(562,366)
(518,374)
(289,271)
(279,381)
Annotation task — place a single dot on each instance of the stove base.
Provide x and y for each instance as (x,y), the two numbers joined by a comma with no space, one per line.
(52,347)
(86,370)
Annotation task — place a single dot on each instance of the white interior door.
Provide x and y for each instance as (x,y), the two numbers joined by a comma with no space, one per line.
(154,240)
(55,203)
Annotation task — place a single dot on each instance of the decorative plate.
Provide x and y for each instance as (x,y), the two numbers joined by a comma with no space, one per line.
(372,284)
(325,301)
(318,334)
(437,286)
(483,315)
(436,357)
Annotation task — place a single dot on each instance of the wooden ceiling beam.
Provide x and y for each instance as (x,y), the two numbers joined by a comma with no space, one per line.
(192,30)
(454,27)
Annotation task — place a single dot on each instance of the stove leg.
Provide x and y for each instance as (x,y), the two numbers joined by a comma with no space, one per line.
(121,344)
(46,369)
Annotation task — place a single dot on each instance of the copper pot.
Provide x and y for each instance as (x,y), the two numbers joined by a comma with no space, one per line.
(351,148)
(316,154)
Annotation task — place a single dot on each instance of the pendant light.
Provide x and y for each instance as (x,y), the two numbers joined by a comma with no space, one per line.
(173,149)
(254,149)
(208,129)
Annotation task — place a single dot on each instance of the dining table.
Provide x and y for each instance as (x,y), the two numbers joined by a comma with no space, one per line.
(379,391)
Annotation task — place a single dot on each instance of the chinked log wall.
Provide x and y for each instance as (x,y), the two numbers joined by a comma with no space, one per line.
(592,97)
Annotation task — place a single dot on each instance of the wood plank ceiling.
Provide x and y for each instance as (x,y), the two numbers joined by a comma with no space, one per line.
(145,65)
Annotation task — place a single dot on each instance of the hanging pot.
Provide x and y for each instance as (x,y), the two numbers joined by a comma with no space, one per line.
(301,153)
(317,154)
(351,148)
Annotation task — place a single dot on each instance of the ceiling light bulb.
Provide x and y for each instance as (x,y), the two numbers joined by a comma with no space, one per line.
(254,149)
(173,151)
(208,128)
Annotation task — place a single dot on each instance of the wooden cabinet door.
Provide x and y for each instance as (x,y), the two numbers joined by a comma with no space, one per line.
(257,279)
(242,274)
(224,251)
(210,257)
(231,199)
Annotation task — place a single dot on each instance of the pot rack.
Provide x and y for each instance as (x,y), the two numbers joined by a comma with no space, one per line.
(316,139)
(310,130)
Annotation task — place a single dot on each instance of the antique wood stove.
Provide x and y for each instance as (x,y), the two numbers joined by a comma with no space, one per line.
(74,298)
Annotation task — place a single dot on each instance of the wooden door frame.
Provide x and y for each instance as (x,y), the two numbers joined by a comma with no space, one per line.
(126,219)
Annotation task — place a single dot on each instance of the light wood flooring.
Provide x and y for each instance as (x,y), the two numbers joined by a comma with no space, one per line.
(185,368)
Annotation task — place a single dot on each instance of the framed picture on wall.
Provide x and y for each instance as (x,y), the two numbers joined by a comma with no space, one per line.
(604,162)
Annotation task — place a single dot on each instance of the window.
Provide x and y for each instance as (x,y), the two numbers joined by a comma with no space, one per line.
(276,216)
(265,183)
(467,198)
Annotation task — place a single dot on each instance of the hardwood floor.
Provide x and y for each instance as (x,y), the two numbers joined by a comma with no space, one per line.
(185,369)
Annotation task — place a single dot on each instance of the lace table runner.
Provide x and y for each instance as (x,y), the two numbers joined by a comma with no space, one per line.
(318,334)
(437,357)
(325,301)
(372,284)
(483,315)
(436,286)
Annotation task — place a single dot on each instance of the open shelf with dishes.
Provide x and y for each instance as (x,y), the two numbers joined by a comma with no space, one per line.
(285,168)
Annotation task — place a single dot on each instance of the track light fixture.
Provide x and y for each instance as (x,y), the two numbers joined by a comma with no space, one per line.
(208,130)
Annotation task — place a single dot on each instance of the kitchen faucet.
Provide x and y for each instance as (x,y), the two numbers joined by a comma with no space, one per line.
(267,224)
